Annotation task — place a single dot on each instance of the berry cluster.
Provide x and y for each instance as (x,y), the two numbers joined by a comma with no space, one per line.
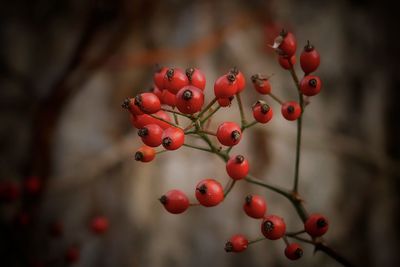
(181,93)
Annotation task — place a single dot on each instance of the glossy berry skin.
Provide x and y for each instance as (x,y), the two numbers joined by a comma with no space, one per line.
(189,99)
(72,254)
(240,80)
(168,98)
(32,185)
(309,59)
(237,167)
(225,102)
(158,77)
(145,154)
(225,86)
(173,138)
(209,192)
(310,85)
(99,225)
(157,91)
(148,103)
(151,135)
(175,201)
(316,225)
(291,110)
(285,44)
(286,63)
(196,78)
(273,227)
(293,251)
(255,206)
(262,112)
(129,104)
(261,84)
(9,191)
(236,243)
(229,133)
(140,121)
(175,79)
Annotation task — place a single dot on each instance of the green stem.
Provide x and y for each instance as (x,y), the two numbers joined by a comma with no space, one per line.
(277,189)
(207,108)
(302,239)
(229,187)
(256,240)
(277,99)
(176,112)
(242,115)
(197,147)
(249,124)
(209,115)
(161,151)
(161,119)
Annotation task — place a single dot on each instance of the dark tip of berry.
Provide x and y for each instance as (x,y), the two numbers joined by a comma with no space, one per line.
(235,135)
(138,100)
(202,189)
(248,199)
(312,83)
(264,108)
(139,156)
(231,98)
(239,159)
(254,78)
(268,226)
(308,47)
(187,95)
(290,109)
(170,74)
(231,78)
(298,252)
(321,223)
(143,132)
(163,199)
(126,103)
(283,32)
(229,246)
(167,141)
(189,72)
(234,71)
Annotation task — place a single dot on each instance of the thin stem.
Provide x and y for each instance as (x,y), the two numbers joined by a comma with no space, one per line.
(194,204)
(161,151)
(279,190)
(208,132)
(229,187)
(277,99)
(302,239)
(161,119)
(198,148)
(207,107)
(249,124)
(242,115)
(256,240)
(284,238)
(295,233)
(176,119)
(176,112)
(202,121)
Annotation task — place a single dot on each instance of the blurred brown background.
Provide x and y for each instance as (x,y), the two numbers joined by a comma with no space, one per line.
(65,67)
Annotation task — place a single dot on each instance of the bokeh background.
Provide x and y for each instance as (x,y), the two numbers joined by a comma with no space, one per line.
(65,67)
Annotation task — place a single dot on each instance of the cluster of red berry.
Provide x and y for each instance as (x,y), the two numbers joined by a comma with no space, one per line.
(184,90)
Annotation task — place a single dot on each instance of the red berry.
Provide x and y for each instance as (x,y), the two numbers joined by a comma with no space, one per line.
(151,135)
(189,99)
(255,206)
(129,104)
(173,138)
(236,243)
(229,133)
(262,113)
(148,103)
(56,229)
(158,77)
(285,44)
(237,167)
(225,86)
(225,102)
(209,192)
(196,78)
(145,154)
(9,191)
(261,84)
(72,254)
(175,201)
(310,85)
(157,91)
(240,80)
(293,251)
(99,225)
(309,59)
(32,185)
(140,121)
(286,63)
(316,225)
(273,227)
(291,110)
(168,98)
(175,79)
